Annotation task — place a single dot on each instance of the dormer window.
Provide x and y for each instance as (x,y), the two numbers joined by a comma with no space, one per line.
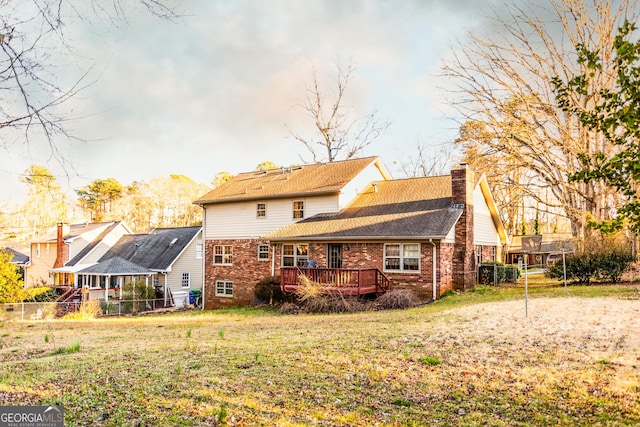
(261,210)
(298,209)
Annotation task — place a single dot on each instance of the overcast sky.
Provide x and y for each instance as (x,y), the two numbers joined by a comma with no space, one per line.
(218,89)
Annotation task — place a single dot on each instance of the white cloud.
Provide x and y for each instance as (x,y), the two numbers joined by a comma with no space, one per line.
(216,90)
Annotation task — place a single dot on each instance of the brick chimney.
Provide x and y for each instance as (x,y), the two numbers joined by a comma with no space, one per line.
(62,250)
(464,268)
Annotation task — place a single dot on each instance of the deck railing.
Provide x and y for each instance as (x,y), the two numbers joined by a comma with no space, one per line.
(344,281)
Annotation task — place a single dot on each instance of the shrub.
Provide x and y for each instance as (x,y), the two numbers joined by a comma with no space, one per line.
(136,296)
(88,310)
(268,290)
(398,298)
(289,308)
(332,304)
(608,263)
(613,263)
(43,294)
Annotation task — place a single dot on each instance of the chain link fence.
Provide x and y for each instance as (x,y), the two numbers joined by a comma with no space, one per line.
(52,310)
(494,274)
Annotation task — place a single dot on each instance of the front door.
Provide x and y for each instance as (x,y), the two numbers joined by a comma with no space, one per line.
(335,255)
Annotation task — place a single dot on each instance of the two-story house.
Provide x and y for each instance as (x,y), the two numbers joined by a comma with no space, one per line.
(56,256)
(425,234)
(238,213)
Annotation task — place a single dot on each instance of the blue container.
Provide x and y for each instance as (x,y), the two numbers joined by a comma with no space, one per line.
(192,298)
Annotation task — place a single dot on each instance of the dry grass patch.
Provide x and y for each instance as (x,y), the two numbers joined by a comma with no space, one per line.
(573,361)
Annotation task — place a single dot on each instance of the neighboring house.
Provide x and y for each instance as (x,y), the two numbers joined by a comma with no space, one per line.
(238,213)
(19,252)
(57,256)
(171,258)
(539,249)
(426,234)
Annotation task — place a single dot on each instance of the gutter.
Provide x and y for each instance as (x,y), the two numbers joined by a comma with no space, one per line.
(434,271)
(368,239)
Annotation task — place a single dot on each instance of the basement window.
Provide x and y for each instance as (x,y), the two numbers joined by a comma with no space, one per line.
(224,288)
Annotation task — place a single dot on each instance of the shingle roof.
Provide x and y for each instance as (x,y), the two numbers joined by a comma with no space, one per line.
(409,208)
(157,250)
(115,266)
(321,178)
(19,251)
(75,230)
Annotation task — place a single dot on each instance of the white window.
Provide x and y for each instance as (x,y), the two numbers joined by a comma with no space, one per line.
(223,254)
(402,257)
(224,288)
(263,252)
(199,248)
(298,209)
(186,280)
(155,281)
(294,254)
(261,210)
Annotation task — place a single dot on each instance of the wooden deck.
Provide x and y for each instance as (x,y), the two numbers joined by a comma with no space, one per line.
(343,281)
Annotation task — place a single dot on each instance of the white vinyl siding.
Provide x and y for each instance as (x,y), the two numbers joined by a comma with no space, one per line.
(239,221)
(484,229)
(186,263)
(358,183)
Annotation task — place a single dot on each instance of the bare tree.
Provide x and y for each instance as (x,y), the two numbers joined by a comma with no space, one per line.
(504,79)
(33,38)
(341,136)
(428,161)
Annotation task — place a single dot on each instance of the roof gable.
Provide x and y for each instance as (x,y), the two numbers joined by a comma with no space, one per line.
(92,245)
(295,181)
(76,231)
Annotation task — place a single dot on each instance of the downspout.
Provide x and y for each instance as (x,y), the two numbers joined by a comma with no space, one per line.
(204,255)
(273,259)
(434,270)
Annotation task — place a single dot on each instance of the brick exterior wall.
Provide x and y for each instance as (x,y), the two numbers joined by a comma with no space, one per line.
(486,253)
(244,272)
(445,256)
(371,255)
(464,268)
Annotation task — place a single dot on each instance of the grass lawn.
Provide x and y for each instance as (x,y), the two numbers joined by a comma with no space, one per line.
(466,360)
